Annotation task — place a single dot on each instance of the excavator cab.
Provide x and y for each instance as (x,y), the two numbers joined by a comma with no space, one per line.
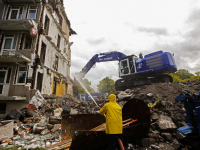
(127,65)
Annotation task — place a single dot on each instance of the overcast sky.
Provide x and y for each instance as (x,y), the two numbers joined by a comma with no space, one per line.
(131,27)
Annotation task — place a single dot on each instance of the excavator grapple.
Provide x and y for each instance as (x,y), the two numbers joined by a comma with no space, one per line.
(87,131)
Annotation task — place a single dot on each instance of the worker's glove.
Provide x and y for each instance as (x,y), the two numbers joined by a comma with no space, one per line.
(97,112)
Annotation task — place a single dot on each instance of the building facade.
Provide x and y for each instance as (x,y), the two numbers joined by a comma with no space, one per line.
(35,51)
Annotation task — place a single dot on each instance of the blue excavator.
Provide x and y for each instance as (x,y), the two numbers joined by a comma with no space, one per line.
(136,71)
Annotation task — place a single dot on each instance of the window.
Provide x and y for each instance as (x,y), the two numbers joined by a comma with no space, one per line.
(9,44)
(132,68)
(124,67)
(58,41)
(32,12)
(3,108)
(46,25)
(60,21)
(21,75)
(27,41)
(39,81)
(54,86)
(16,13)
(42,53)
(55,64)
(8,75)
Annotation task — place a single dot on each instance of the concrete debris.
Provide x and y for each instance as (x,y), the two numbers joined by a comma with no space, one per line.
(166,123)
(124,96)
(42,127)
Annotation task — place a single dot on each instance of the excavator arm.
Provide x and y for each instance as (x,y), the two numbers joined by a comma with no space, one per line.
(108,56)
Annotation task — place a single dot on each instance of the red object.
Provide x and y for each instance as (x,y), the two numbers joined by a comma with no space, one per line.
(33,31)
(31,106)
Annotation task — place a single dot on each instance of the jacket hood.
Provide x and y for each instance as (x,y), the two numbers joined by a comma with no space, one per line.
(112,98)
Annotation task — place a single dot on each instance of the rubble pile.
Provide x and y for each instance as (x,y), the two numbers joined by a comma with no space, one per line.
(42,127)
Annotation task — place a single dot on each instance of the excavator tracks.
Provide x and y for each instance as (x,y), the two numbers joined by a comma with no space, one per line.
(128,83)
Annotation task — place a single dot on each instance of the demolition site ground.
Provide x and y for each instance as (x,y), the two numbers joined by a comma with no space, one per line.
(42,128)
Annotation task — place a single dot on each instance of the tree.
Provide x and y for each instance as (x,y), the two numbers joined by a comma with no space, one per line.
(197,77)
(86,85)
(106,85)
(183,74)
(176,78)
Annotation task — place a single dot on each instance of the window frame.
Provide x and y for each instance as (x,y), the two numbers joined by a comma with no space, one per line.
(58,41)
(5,106)
(32,9)
(12,42)
(16,83)
(46,24)
(24,41)
(18,13)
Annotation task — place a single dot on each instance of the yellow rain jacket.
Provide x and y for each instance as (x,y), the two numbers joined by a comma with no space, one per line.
(113,116)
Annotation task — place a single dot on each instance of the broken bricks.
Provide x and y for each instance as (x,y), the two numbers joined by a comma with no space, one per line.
(166,116)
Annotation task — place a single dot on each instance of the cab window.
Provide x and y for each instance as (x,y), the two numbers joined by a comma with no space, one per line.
(131,64)
(124,67)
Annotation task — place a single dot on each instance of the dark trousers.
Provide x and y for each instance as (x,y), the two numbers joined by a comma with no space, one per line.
(112,141)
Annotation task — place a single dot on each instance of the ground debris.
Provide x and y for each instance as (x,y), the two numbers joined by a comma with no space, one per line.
(42,127)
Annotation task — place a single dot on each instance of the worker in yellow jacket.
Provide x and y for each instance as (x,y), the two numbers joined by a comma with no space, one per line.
(113,121)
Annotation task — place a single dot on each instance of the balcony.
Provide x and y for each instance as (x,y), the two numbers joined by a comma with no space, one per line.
(14,57)
(25,24)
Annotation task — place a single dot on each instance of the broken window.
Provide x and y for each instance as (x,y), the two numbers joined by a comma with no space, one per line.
(3,108)
(2,80)
(39,81)
(15,13)
(21,75)
(32,12)
(58,41)
(55,64)
(54,86)
(46,24)
(42,53)
(8,75)
(27,41)
(9,44)
(60,21)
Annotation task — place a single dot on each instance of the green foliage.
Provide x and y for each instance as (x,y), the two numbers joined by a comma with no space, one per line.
(106,85)
(176,78)
(183,75)
(86,84)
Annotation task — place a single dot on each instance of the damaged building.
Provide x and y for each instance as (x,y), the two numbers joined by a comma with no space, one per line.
(35,51)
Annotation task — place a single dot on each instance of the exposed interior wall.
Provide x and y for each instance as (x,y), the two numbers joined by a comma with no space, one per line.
(13,105)
(70,89)
(61,88)
(56,62)
(47,83)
